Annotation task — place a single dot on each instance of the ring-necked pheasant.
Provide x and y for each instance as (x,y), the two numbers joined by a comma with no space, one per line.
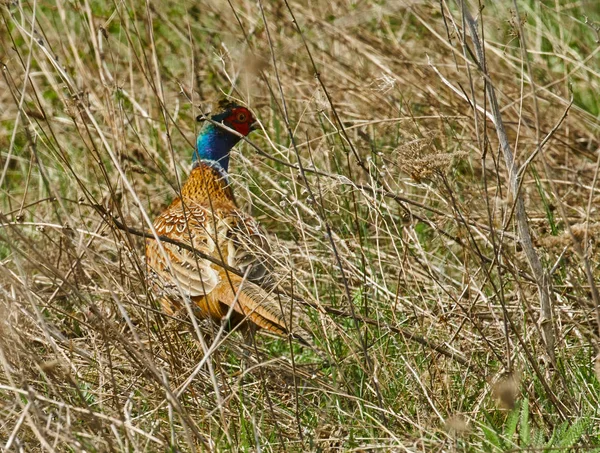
(207,218)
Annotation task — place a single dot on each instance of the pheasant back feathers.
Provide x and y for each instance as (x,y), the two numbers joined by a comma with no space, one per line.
(207,219)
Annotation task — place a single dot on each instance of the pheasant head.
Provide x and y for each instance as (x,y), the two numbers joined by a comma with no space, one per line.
(214,142)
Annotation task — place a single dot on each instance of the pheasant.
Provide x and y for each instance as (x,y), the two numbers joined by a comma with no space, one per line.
(207,218)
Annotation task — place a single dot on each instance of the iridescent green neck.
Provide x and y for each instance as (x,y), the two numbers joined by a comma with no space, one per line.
(214,144)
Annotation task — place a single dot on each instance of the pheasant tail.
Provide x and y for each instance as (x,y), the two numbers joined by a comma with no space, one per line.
(262,309)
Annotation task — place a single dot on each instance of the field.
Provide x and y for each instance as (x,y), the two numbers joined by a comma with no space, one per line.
(427,173)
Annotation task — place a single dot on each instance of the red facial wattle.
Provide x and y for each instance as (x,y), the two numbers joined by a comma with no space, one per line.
(240,120)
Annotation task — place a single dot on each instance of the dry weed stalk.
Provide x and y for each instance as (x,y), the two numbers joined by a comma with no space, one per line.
(542,281)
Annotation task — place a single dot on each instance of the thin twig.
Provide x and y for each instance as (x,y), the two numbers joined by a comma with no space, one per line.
(541,278)
(561,208)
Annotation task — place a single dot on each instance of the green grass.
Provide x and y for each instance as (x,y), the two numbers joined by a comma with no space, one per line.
(422,356)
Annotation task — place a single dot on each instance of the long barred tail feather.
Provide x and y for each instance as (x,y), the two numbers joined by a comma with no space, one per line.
(263,309)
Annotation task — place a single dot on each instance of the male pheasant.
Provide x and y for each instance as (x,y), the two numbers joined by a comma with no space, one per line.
(207,218)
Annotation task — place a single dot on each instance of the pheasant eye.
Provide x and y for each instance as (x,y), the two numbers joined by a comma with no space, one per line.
(241,117)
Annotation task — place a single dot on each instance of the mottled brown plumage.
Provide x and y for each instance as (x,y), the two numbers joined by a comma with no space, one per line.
(207,218)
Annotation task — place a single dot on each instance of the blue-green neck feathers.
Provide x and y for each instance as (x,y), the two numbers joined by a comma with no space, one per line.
(214,144)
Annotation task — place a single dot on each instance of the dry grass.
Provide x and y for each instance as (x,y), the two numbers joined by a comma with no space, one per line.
(388,206)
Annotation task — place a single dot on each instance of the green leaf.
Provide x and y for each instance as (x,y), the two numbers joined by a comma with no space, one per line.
(574,433)
(511,424)
(492,437)
(524,432)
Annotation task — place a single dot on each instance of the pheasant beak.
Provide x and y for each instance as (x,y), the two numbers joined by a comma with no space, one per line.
(254,126)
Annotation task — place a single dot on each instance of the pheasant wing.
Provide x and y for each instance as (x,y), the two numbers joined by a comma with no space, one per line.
(248,247)
(196,276)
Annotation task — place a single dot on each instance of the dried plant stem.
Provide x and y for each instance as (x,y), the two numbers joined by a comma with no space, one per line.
(579,250)
(541,278)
